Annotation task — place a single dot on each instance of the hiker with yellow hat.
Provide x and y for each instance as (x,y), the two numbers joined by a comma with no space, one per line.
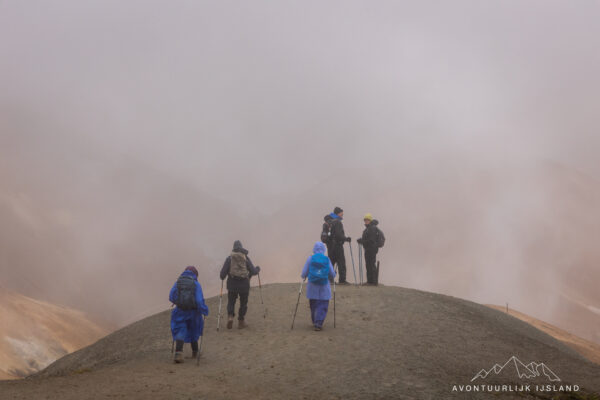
(372,239)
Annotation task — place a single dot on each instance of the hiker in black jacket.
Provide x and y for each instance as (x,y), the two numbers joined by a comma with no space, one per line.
(337,237)
(238,269)
(370,241)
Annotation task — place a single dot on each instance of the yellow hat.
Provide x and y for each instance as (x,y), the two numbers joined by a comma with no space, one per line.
(368,216)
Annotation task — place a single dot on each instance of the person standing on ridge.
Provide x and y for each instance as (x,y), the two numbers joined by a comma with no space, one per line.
(187,323)
(337,237)
(238,269)
(319,270)
(372,239)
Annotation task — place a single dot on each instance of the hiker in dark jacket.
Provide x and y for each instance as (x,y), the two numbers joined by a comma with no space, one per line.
(187,323)
(369,240)
(337,237)
(238,269)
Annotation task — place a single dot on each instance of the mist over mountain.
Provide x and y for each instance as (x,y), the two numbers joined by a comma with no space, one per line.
(137,138)
(35,333)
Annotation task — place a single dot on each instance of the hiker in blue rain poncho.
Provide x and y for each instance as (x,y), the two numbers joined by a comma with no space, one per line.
(187,323)
(319,270)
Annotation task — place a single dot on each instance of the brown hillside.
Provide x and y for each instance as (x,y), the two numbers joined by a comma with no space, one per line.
(589,350)
(34,333)
(389,343)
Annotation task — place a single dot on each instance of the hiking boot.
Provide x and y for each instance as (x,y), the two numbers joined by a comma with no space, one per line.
(343,283)
(178,359)
(230,322)
(242,324)
(318,328)
(194,355)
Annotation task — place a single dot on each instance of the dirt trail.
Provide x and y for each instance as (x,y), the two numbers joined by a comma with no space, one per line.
(389,343)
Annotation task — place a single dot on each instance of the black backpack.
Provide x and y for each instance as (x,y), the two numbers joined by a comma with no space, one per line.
(380,238)
(326,232)
(186,293)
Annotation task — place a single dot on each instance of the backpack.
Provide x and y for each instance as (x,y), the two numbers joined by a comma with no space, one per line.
(380,238)
(326,232)
(186,293)
(237,269)
(318,270)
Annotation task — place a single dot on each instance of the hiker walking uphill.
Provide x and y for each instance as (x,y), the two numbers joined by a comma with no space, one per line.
(335,244)
(372,239)
(238,269)
(319,270)
(187,324)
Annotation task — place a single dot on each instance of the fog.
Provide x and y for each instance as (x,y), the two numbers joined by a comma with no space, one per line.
(138,137)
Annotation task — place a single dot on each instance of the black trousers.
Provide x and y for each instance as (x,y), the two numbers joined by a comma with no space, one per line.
(179,346)
(370,260)
(336,255)
(231,299)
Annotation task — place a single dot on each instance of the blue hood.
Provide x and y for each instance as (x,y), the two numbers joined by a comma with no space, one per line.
(319,248)
(190,273)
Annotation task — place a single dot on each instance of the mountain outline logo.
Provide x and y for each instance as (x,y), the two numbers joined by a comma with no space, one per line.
(528,371)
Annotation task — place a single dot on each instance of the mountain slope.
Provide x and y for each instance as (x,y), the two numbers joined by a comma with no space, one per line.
(588,349)
(34,333)
(389,342)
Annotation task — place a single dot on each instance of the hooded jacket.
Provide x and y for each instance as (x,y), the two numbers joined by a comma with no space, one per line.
(235,284)
(188,325)
(314,291)
(369,236)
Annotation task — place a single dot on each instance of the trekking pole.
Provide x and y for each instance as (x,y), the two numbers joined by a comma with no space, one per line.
(360,263)
(334,296)
(261,298)
(352,258)
(200,346)
(359,259)
(173,344)
(220,302)
(298,302)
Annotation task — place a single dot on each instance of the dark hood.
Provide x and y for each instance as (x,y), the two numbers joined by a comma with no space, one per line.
(238,248)
(327,218)
(374,223)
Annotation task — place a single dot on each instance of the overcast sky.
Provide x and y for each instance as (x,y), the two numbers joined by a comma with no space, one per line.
(259,104)
(224,94)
